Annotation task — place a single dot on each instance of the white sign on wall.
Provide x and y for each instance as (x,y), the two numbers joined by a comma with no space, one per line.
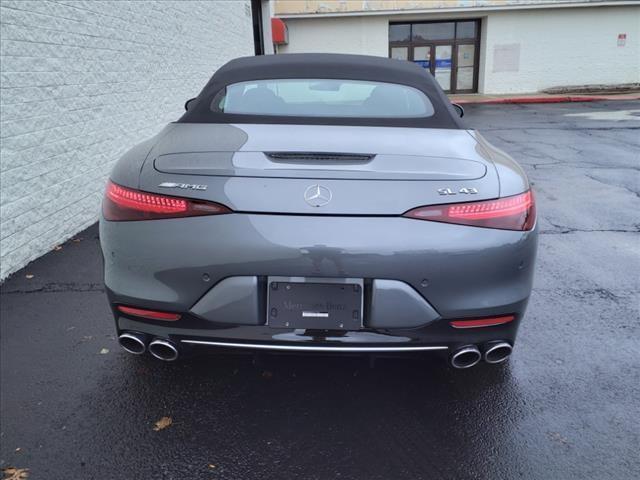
(622,39)
(506,58)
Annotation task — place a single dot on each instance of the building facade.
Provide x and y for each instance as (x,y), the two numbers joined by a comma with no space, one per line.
(82,82)
(484,46)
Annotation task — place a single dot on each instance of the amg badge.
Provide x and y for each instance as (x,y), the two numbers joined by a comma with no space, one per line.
(187,186)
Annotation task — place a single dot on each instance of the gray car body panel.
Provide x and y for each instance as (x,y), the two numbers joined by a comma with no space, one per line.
(379,167)
(233,300)
(450,271)
(127,170)
(395,304)
(451,159)
(513,179)
(469,270)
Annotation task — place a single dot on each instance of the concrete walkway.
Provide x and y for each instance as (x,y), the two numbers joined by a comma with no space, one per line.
(540,98)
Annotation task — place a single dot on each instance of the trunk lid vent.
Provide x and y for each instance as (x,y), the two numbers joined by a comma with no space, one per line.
(319,157)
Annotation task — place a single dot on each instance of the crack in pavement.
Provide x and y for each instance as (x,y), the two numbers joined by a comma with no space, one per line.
(59,288)
(603,293)
(610,141)
(574,129)
(564,230)
(612,184)
(581,165)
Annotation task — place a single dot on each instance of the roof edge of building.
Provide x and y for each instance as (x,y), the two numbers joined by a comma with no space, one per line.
(472,9)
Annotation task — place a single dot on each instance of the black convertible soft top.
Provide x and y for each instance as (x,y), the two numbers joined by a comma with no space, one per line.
(323,66)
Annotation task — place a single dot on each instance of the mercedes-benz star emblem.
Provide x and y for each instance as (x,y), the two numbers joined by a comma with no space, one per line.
(317,195)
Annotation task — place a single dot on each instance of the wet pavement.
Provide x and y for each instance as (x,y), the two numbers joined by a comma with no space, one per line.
(74,405)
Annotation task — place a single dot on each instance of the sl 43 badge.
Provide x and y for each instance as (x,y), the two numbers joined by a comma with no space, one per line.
(186,186)
(463,191)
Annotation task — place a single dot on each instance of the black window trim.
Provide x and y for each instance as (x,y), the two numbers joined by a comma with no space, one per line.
(324,66)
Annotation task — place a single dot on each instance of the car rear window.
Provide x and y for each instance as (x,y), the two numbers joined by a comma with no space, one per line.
(323,98)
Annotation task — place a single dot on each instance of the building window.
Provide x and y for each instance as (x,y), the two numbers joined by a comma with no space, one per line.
(448,49)
(399,32)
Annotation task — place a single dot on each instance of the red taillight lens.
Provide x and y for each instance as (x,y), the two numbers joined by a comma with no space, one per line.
(152,314)
(508,213)
(122,204)
(482,322)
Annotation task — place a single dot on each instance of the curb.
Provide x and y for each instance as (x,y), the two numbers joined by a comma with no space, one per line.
(546,99)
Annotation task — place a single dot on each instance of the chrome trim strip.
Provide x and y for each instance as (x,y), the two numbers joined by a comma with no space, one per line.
(313,348)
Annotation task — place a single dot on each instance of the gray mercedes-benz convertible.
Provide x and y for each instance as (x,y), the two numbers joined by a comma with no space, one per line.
(321,203)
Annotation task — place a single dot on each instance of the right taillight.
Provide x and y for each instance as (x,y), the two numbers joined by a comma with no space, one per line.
(125,204)
(517,212)
(482,322)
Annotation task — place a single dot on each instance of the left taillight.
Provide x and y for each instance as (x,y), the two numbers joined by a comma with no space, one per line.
(126,204)
(517,212)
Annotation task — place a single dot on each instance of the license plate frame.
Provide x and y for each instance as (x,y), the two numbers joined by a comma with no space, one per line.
(315,303)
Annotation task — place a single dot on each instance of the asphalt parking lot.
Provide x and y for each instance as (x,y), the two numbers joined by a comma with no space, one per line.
(74,405)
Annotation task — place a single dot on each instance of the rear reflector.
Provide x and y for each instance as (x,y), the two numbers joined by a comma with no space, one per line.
(517,212)
(152,314)
(125,204)
(482,322)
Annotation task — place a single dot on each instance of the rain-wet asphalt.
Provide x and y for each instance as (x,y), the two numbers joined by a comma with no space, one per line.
(567,404)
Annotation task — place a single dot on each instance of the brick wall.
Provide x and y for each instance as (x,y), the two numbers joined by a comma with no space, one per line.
(81,83)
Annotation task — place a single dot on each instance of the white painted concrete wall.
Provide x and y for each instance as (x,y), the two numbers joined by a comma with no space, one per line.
(573,46)
(554,47)
(82,82)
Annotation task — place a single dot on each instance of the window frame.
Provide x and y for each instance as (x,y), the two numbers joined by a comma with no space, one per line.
(454,42)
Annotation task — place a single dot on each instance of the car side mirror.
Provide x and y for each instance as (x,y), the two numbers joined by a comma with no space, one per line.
(188,103)
(459,109)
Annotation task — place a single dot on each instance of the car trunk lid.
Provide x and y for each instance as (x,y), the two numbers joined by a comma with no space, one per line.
(365,170)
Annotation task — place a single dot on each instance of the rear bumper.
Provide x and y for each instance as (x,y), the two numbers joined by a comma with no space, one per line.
(438,336)
(445,271)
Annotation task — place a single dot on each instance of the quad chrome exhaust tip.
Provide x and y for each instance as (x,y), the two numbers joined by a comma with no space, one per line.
(132,343)
(163,350)
(466,357)
(497,352)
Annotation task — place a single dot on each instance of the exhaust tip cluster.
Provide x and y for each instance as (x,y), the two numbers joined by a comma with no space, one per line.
(160,348)
(497,352)
(132,343)
(163,350)
(466,357)
(463,357)
(470,355)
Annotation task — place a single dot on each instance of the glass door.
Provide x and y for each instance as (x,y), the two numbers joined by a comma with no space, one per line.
(465,67)
(442,66)
(437,59)
(400,53)
(448,49)
(422,56)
